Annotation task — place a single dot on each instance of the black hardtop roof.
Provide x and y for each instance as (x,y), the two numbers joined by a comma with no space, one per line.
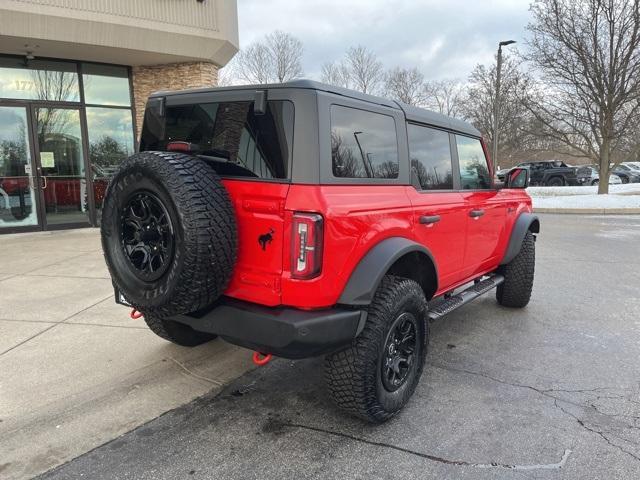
(412,113)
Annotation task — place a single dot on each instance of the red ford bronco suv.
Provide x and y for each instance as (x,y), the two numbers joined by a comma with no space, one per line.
(301,219)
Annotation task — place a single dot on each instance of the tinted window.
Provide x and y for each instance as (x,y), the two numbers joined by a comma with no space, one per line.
(363,144)
(106,84)
(430,155)
(474,173)
(244,143)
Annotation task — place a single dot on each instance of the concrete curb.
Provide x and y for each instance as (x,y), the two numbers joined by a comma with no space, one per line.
(590,211)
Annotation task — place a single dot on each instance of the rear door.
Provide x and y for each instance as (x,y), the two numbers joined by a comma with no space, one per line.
(252,153)
(486,207)
(440,220)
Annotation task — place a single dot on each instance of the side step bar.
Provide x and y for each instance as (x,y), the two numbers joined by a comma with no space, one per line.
(448,305)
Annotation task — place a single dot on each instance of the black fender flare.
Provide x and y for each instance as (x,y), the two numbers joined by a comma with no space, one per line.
(525,222)
(367,275)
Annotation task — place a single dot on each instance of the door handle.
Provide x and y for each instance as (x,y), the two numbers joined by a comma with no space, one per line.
(44,182)
(429,219)
(476,213)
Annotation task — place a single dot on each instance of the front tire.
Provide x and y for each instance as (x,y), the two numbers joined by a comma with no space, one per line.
(515,291)
(375,377)
(176,332)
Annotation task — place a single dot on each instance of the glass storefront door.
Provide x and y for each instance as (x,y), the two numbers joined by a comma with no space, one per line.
(18,205)
(43,181)
(60,164)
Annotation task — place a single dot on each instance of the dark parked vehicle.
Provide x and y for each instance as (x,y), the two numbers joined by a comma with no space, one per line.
(626,173)
(589,175)
(548,173)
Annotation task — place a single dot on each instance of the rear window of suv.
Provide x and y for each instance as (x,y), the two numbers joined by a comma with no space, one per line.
(245,144)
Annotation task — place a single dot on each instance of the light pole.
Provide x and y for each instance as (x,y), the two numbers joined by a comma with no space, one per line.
(365,160)
(496,104)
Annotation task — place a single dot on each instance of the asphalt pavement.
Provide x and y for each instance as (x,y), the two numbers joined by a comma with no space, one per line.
(550,391)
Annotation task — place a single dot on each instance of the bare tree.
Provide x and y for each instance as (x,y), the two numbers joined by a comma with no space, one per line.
(286,52)
(405,85)
(254,64)
(277,58)
(360,69)
(444,96)
(226,76)
(365,70)
(335,73)
(513,117)
(588,54)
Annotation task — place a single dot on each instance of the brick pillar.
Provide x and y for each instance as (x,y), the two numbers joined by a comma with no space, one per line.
(172,76)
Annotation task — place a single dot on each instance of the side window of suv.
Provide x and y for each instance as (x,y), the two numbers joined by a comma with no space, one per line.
(474,174)
(363,144)
(430,154)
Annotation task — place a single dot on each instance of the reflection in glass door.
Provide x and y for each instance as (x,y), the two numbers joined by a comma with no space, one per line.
(61,165)
(17,194)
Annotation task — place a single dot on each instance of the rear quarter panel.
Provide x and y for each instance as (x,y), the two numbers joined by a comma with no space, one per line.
(356,217)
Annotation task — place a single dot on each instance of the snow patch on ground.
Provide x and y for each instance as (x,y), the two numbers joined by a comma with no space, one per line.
(620,196)
(625,189)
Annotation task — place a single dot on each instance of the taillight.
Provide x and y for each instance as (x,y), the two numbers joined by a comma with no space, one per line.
(177,146)
(306,245)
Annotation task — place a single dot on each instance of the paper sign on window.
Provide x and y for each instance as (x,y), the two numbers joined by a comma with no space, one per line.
(47,160)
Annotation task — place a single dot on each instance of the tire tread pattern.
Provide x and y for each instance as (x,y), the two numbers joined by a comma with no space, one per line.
(210,240)
(515,291)
(350,374)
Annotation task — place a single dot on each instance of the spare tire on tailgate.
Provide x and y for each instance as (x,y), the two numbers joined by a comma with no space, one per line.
(168,233)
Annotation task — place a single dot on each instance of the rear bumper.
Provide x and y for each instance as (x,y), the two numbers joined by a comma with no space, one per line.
(285,332)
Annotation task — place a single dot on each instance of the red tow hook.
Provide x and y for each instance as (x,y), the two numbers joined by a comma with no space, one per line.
(135,314)
(261,359)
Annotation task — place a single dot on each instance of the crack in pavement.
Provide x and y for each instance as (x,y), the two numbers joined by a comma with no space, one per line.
(600,433)
(548,393)
(433,458)
(190,373)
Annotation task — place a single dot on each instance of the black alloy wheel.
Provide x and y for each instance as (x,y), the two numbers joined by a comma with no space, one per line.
(399,350)
(146,235)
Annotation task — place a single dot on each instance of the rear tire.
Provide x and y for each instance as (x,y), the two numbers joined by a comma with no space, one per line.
(177,332)
(595,182)
(555,182)
(20,213)
(515,291)
(362,379)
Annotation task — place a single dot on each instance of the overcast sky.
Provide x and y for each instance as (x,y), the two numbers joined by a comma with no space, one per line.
(444,39)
